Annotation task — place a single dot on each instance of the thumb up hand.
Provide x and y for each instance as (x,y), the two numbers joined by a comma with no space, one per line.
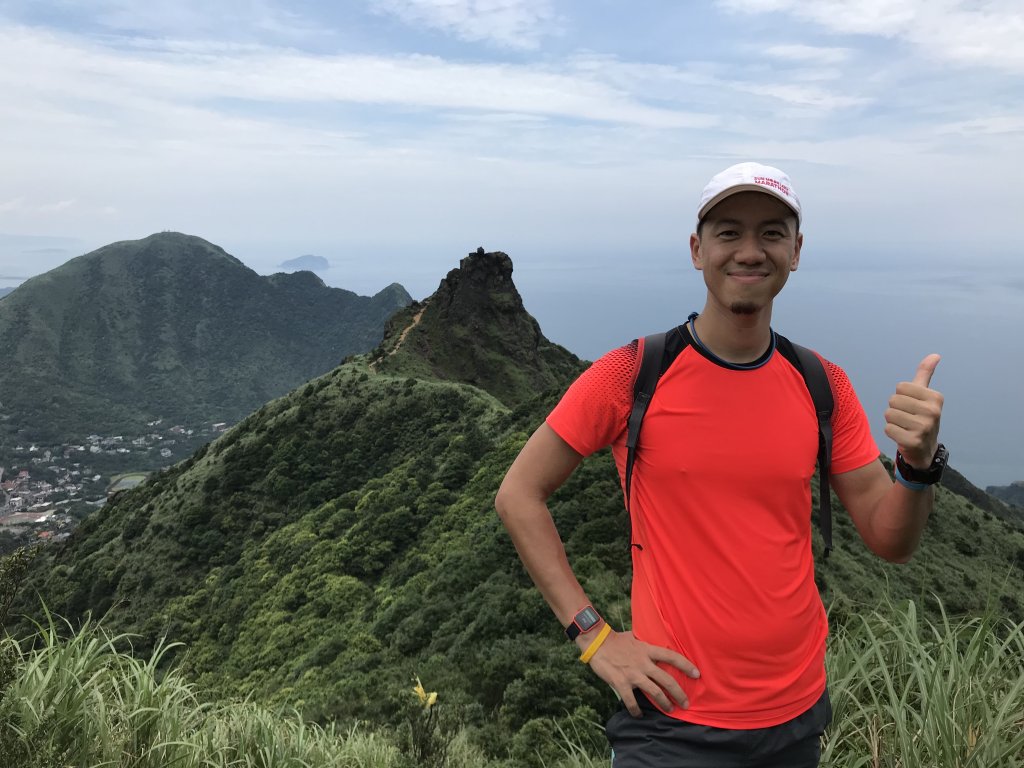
(912,419)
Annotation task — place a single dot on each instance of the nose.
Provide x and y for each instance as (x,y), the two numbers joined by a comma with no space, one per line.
(749,249)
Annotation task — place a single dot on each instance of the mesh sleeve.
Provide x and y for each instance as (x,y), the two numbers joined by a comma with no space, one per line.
(852,443)
(592,413)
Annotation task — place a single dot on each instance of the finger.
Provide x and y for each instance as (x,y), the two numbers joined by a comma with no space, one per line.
(898,435)
(916,449)
(926,369)
(672,689)
(629,701)
(932,397)
(902,419)
(907,403)
(655,694)
(677,660)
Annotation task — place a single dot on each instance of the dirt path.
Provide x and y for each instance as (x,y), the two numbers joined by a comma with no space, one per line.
(405,332)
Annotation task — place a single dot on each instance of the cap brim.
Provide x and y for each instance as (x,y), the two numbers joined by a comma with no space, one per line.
(743,188)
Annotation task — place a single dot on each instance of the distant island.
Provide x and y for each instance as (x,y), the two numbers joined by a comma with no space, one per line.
(307,262)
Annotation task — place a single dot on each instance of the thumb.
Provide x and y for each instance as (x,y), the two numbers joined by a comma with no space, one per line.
(926,370)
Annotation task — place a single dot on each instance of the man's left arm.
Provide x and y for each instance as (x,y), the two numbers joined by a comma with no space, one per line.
(891,516)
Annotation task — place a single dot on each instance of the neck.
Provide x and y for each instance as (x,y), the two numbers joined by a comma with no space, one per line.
(735,338)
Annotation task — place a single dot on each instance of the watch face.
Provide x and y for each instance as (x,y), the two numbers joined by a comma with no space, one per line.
(587,618)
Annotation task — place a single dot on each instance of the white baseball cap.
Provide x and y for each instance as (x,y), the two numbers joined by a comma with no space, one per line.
(748,177)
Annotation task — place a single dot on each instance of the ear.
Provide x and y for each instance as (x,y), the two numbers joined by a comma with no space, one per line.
(796,253)
(695,254)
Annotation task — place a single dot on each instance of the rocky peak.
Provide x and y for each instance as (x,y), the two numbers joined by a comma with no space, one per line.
(475,329)
(484,268)
(482,282)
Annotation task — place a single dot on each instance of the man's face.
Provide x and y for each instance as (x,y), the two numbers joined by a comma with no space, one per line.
(746,249)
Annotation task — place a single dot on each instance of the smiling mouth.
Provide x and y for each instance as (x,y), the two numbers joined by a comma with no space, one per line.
(748,277)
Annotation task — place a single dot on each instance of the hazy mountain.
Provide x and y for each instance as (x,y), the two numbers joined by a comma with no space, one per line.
(308,262)
(5,291)
(1011,494)
(342,539)
(170,326)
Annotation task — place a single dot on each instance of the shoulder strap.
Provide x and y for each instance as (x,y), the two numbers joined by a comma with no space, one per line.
(818,385)
(652,348)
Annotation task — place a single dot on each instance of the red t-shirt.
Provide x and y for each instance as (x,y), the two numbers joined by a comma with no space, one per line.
(721,506)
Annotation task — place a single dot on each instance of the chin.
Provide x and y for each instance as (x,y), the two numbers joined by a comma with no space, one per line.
(743,308)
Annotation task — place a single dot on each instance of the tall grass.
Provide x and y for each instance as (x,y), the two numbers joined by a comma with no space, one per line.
(87,701)
(906,693)
(910,693)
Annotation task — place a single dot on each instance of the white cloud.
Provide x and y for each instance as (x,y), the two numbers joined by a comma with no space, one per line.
(987,126)
(808,53)
(984,33)
(18,205)
(56,207)
(666,82)
(803,95)
(508,23)
(193,75)
(264,141)
(175,18)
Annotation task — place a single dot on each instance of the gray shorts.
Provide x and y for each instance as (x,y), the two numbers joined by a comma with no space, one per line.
(659,741)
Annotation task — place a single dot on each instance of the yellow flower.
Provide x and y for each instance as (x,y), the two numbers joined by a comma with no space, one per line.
(418,690)
(426,699)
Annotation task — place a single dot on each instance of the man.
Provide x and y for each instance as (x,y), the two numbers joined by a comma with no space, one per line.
(724,665)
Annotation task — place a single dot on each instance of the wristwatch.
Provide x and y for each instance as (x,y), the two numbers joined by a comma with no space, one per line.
(928,476)
(584,621)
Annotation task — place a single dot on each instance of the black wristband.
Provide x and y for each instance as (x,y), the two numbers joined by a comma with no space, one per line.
(928,476)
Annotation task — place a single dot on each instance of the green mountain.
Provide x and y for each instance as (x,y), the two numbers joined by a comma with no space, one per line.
(169,326)
(475,330)
(342,540)
(1011,494)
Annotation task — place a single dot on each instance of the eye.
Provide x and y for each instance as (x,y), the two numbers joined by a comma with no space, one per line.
(728,234)
(774,234)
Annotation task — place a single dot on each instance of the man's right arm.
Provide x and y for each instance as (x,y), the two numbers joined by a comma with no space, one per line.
(544,463)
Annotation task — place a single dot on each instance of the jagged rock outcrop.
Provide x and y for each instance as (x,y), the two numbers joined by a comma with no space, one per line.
(475,329)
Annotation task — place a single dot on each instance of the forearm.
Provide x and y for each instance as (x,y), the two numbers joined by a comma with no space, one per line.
(897,522)
(536,539)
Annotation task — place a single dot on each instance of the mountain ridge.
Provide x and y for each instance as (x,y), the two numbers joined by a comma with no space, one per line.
(171,326)
(1012,494)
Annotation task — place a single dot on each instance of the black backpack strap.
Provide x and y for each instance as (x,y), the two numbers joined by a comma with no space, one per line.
(652,348)
(817,381)
(658,352)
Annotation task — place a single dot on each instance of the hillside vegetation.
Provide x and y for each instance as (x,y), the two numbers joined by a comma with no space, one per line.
(168,326)
(341,541)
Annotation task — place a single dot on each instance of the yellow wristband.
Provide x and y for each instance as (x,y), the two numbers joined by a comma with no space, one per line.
(588,654)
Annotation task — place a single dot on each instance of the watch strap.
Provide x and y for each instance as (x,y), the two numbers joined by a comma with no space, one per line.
(908,474)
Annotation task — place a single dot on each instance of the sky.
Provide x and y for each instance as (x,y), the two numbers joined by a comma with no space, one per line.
(391,137)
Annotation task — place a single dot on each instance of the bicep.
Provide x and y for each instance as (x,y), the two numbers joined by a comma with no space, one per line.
(544,463)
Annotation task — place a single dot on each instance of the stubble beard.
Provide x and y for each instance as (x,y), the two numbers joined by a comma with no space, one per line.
(743,308)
